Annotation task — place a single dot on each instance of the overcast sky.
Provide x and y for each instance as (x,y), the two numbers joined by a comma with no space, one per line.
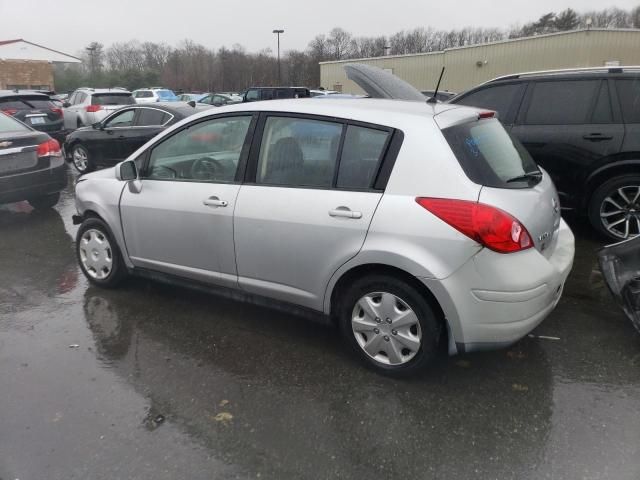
(69,25)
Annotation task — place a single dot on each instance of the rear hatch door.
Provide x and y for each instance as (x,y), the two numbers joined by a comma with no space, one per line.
(37,111)
(509,177)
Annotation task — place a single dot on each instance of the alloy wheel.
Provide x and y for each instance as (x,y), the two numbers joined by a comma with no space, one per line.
(80,159)
(96,254)
(620,212)
(386,328)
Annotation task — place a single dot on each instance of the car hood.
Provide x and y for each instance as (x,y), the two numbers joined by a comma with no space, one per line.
(378,83)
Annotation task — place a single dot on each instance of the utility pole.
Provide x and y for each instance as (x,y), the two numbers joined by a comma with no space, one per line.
(278,32)
(92,50)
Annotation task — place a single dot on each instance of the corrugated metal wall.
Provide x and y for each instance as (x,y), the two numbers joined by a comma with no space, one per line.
(469,66)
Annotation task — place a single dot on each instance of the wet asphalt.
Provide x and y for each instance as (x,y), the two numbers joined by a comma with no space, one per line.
(152,381)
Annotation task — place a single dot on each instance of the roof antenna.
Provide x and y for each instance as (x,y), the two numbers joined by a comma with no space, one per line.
(433,97)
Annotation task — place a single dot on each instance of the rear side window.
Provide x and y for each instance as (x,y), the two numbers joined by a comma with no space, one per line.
(112,99)
(361,153)
(266,94)
(629,93)
(298,152)
(499,98)
(561,102)
(489,155)
(148,117)
(8,124)
(603,113)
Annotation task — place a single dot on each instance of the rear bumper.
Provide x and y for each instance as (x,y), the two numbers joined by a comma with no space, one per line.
(23,186)
(495,299)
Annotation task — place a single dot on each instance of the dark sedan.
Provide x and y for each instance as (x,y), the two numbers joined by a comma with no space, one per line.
(120,134)
(31,165)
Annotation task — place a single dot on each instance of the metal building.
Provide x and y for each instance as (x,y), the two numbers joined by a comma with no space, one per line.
(470,65)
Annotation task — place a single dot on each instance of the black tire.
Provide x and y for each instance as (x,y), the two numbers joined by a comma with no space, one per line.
(118,269)
(428,318)
(81,149)
(45,202)
(610,188)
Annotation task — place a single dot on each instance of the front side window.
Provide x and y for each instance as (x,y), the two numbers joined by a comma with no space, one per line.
(122,119)
(362,151)
(298,152)
(561,102)
(253,95)
(208,151)
(629,93)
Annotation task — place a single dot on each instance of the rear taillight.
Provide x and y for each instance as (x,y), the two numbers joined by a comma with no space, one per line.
(487,225)
(57,111)
(489,114)
(50,148)
(10,111)
(93,108)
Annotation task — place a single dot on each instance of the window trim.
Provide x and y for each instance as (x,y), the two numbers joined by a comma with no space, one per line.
(242,161)
(378,181)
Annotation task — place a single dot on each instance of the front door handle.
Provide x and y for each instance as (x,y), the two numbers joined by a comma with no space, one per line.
(597,137)
(344,212)
(214,202)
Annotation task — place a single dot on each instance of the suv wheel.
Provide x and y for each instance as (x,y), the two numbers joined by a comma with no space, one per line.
(98,254)
(81,160)
(614,208)
(45,201)
(389,324)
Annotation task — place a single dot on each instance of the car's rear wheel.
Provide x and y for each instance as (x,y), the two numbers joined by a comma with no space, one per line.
(81,160)
(44,202)
(389,324)
(614,209)
(98,254)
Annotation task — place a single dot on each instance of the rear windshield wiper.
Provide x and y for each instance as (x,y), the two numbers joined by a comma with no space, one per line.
(533,175)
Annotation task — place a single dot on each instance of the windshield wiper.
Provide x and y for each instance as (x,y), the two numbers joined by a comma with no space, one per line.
(533,175)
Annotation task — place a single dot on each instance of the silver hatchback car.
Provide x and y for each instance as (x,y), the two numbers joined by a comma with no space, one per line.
(410,224)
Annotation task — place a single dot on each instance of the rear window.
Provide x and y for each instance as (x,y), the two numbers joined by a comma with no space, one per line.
(489,155)
(112,99)
(8,124)
(25,103)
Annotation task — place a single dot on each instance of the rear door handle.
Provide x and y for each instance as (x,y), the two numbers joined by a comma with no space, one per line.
(214,202)
(597,137)
(344,212)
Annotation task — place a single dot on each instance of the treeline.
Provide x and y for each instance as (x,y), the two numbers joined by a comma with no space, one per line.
(193,67)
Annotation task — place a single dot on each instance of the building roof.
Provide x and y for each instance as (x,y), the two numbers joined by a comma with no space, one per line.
(477,45)
(21,49)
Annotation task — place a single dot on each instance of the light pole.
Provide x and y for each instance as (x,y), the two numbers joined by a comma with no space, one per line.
(92,50)
(278,32)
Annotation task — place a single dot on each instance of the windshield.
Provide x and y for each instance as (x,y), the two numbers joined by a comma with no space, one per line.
(8,124)
(490,156)
(112,99)
(165,94)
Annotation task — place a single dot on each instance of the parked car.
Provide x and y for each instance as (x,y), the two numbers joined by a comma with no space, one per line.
(35,109)
(322,93)
(87,106)
(189,97)
(31,165)
(255,94)
(121,133)
(154,94)
(332,208)
(441,96)
(220,99)
(583,127)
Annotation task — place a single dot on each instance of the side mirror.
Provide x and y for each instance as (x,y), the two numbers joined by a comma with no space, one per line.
(97,125)
(126,171)
(192,103)
(66,104)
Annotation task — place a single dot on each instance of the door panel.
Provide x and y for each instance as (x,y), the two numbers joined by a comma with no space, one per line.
(289,241)
(168,227)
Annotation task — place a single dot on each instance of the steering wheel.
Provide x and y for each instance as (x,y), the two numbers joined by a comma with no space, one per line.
(164,173)
(206,168)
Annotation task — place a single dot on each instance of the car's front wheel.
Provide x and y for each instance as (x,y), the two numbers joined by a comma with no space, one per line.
(614,209)
(389,324)
(44,202)
(98,254)
(81,160)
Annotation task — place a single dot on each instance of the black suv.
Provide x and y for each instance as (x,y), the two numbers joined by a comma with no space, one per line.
(35,109)
(255,94)
(583,127)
